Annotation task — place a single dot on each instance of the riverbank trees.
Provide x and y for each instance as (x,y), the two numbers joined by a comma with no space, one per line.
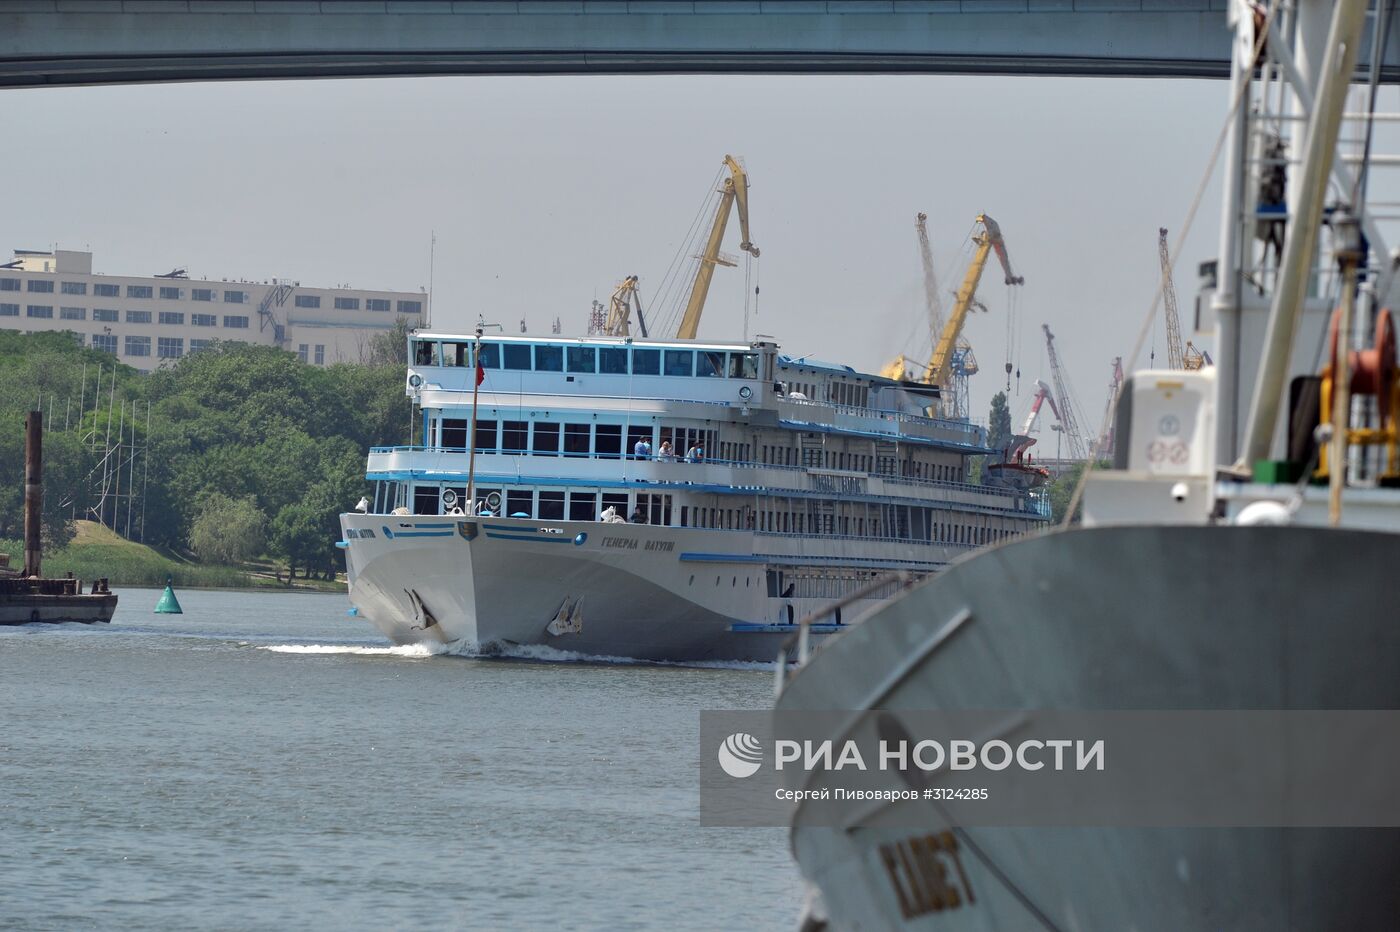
(243,442)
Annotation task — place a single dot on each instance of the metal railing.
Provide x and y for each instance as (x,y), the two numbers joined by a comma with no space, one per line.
(707,461)
(800,640)
(883,414)
(1030,503)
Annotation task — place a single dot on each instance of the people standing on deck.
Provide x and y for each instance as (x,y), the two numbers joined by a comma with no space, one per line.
(696,453)
(667,454)
(642,449)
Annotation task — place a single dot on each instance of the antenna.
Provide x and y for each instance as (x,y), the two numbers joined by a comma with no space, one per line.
(432,257)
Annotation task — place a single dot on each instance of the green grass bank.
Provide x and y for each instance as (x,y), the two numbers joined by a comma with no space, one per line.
(96,551)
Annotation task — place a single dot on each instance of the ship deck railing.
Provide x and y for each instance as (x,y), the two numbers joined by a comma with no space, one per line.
(1030,503)
(970,426)
(867,539)
(878,422)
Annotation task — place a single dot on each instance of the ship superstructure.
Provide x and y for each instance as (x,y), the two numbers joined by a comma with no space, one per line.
(668,500)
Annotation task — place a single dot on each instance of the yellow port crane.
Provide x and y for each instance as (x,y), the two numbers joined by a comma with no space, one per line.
(735,190)
(620,307)
(988,241)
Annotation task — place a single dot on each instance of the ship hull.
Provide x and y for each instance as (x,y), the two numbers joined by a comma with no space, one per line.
(1126,618)
(632,591)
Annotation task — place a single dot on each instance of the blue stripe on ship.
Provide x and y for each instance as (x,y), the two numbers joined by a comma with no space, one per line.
(722,558)
(398,534)
(740,627)
(537,538)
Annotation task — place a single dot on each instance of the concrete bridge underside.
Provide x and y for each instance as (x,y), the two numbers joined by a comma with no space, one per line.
(58,42)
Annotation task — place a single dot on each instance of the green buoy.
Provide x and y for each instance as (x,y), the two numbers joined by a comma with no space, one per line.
(168,604)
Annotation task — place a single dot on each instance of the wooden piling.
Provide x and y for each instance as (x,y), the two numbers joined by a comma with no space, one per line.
(33,491)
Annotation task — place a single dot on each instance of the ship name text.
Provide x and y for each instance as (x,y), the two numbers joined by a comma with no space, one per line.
(631,543)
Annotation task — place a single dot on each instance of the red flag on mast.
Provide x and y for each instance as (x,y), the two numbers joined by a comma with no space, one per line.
(480,373)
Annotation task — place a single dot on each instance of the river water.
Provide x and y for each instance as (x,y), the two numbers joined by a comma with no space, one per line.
(264,762)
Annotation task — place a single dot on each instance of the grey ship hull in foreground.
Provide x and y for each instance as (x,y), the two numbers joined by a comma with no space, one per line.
(1122,618)
(1209,574)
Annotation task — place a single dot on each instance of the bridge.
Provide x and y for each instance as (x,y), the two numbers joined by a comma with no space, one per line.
(62,42)
(58,42)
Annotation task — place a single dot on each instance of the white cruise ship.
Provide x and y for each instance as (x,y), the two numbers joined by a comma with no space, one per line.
(660,500)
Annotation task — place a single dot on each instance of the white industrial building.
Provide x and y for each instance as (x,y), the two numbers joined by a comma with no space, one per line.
(145,320)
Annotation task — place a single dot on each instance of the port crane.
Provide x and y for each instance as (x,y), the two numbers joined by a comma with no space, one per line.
(1115,388)
(734,191)
(1069,421)
(620,306)
(964,361)
(1024,441)
(1042,395)
(1014,470)
(902,367)
(953,360)
(932,302)
(1179,356)
(941,366)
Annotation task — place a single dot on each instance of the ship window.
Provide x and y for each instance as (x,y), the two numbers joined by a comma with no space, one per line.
(454,434)
(612,360)
(646,362)
(680,362)
(583,359)
(547,439)
(486,435)
(425,353)
(425,500)
(517,355)
(515,436)
(490,355)
(456,354)
(743,365)
(519,503)
(656,508)
(551,506)
(609,440)
(709,364)
(616,500)
(583,506)
(549,359)
(576,440)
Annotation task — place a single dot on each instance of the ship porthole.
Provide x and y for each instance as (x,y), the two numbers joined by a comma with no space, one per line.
(580,538)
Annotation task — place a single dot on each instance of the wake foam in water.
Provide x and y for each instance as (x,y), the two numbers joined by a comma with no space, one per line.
(411,651)
(543,653)
(535,653)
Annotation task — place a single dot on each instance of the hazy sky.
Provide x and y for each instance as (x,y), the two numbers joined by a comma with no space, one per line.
(545,191)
